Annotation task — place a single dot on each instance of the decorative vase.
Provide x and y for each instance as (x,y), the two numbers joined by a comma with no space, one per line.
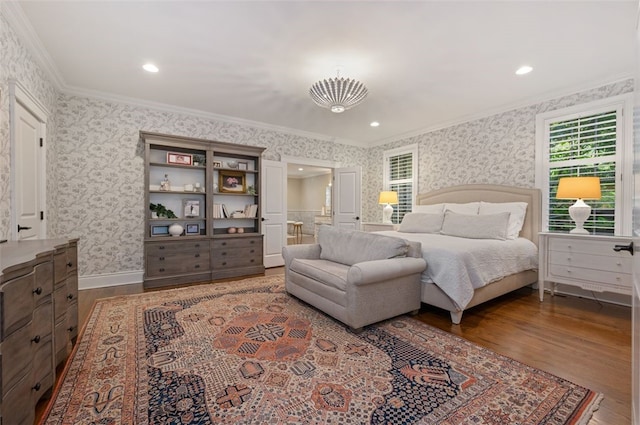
(175,229)
(231,230)
(240,229)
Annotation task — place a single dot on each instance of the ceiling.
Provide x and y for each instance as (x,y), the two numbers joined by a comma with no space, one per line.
(427,64)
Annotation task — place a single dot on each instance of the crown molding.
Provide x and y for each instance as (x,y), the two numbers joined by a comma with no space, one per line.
(503,109)
(20,24)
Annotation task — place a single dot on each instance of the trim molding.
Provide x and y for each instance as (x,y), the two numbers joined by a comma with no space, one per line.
(109,279)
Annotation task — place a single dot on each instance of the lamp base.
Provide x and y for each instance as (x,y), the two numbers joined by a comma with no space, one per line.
(387,212)
(579,212)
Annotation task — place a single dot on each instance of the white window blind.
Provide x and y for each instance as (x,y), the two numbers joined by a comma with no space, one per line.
(399,177)
(585,143)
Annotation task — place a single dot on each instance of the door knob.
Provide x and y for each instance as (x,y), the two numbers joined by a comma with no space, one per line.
(23,228)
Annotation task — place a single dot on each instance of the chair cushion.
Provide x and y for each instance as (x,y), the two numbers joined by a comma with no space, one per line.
(326,272)
(351,246)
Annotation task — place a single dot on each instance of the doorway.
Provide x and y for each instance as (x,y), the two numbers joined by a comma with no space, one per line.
(309,201)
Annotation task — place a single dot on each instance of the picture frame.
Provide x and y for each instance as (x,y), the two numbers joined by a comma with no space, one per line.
(243,165)
(217,164)
(192,229)
(176,158)
(159,230)
(190,208)
(232,182)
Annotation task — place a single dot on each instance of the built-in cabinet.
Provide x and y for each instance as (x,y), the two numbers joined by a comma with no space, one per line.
(206,217)
(38,321)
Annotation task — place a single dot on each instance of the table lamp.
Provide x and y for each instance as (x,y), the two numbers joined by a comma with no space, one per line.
(387,198)
(579,188)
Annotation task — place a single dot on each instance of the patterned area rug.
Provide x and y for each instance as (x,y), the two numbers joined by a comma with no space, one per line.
(245,352)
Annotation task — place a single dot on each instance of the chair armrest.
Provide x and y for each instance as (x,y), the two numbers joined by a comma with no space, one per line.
(306,251)
(380,270)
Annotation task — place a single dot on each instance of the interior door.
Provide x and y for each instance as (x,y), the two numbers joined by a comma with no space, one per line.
(274,211)
(27,174)
(347,195)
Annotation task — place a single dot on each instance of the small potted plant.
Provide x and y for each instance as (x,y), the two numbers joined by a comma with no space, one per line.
(161,211)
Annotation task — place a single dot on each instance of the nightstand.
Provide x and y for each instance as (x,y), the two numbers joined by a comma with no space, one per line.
(594,263)
(376,227)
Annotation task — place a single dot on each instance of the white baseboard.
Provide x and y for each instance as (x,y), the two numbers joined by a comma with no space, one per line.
(109,279)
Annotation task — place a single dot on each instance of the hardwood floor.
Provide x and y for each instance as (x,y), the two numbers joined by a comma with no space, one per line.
(580,340)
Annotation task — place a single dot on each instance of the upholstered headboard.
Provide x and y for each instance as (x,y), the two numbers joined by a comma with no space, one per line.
(493,193)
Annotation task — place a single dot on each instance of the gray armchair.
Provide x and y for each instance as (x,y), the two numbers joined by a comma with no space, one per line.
(356,277)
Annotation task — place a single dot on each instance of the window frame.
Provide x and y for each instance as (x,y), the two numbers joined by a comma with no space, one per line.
(623,156)
(387,154)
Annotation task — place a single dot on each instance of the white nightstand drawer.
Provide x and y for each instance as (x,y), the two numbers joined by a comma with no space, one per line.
(594,280)
(595,247)
(618,264)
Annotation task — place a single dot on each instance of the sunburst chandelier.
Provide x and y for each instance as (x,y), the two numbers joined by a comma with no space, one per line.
(338,94)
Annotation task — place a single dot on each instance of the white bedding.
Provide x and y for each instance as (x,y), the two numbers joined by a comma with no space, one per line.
(460,265)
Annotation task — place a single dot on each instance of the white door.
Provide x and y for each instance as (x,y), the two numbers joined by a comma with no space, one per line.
(347,196)
(635,314)
(274,211)
(28,175)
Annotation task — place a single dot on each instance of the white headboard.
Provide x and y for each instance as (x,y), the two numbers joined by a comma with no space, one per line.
(493,193)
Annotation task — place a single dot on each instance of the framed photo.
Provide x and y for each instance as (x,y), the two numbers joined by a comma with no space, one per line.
(192,229)
(217,164)
(191,208)
(232,182)
(162,230)
(179,158)
(243,165)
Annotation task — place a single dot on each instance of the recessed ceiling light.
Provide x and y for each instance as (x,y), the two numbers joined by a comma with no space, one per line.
(149,67)
(524,70)
(374,124)
(300,169)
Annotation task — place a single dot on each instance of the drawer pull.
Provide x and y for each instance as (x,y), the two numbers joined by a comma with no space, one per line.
(70,296)
(252,260)
(223,253)
(37,291)
(161,258)
(36,339)
(69,264)
(197,266)
(223,243)
(162,269)
(161,247)
(197,255)
(70,329)
(197,245)
(252,242)
(618,248)
(252,251)
(36,387)
(224,263)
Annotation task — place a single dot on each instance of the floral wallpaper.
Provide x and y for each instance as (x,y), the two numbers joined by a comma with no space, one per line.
(101,171)
(95,159)
(499,149)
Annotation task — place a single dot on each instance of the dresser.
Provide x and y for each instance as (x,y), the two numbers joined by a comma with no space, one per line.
(593,263)
(30,308)
(233,256)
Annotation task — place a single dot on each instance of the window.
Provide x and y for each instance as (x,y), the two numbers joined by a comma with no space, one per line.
(400,176)
(587,140)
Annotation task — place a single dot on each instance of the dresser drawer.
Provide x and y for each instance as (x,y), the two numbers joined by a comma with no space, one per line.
(602,280)
(42,375)
(586,246)
(17,303)
(43,284)
(618,264)
(60,266)
(237,257)
(154,249)
(20,398)
(177,263)
(16,357)
(245,242)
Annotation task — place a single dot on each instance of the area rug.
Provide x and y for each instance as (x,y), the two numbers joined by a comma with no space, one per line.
(245,352)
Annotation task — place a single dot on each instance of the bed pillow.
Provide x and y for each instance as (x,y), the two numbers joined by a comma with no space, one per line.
(421,223)
(470,208)
(487,226)
(518,211)
(428,209)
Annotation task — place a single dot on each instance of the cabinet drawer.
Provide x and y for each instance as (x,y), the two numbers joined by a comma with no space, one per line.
(60,341)
(72,257)
(177,263)
(43,368)
(236,243)
(42,324)
(176,247)
(43,284)
(72,320)
(594,247)
(17,303)
(60,301)
(60,266)
(20,400)
(601,280)
(591,261)
(16,356)
(237,257)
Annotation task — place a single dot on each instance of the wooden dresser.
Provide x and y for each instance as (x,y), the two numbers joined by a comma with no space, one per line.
(30,309)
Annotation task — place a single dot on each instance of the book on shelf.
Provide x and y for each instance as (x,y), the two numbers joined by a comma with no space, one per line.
(250,210)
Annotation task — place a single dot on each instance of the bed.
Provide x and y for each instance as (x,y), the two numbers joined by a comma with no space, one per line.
(432,293)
